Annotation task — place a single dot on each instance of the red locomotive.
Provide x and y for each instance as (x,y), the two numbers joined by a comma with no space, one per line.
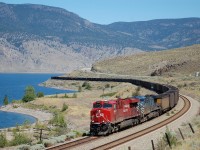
(113,115)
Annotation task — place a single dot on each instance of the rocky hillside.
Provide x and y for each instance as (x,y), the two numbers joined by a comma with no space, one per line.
(174,62)
(37,38)
(160,34)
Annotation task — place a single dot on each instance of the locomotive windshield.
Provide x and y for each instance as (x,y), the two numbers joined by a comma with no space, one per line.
(97,105)
(106,105)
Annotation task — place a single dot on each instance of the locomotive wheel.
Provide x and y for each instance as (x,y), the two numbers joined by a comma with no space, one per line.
(93,134)
(116,129)
(138,121)
(158,114)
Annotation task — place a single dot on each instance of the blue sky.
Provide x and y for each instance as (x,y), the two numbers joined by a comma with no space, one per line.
(109,11)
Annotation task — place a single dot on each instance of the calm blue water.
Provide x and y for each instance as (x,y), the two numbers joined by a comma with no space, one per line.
(13,85)
(9,119)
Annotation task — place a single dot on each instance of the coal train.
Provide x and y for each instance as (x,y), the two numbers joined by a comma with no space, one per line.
(108,116)
(113,115)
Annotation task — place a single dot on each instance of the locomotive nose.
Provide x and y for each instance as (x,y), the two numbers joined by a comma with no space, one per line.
(98,116)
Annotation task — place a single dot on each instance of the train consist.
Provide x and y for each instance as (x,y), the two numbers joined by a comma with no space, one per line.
(113,115)
(108,116)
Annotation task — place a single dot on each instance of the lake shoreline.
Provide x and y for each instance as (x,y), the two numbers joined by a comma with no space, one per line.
(39,115)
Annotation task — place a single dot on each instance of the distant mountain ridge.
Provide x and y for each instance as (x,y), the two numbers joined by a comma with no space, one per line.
(38,38)
(162,33)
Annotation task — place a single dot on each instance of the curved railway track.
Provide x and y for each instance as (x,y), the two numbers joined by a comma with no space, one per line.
(125,139)
(72,144)
(128,138)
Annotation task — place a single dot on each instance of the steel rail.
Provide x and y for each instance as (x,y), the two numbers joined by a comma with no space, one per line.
(75,143)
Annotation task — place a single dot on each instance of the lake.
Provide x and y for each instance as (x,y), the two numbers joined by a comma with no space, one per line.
(13,85)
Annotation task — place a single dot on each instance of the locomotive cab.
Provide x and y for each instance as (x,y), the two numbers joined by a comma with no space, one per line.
(101,117)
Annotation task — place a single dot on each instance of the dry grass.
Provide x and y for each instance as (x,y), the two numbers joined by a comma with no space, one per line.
(191,140)
(173,62)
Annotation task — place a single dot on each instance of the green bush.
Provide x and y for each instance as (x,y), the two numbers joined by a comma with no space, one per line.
(24,147)
(19,138)
(168,114)
(49,142)
(27,98)
(162,143)
(29,94)
(3,140)
(173,140)
(15,106)
(26,124)
(40,94)
(37,147)
(58,120)
(71,135)
(179,86)
(5,100)
(87,85)
(64,107)
(54,140)
(17,128)
(137,91)
(108,94)
(107,85)
(16,101)
(59,139)
(74,95)
(78,134)
(40,125)
(66,96)
(58,130)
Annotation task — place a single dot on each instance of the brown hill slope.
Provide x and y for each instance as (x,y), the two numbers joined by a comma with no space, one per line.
(181,61)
